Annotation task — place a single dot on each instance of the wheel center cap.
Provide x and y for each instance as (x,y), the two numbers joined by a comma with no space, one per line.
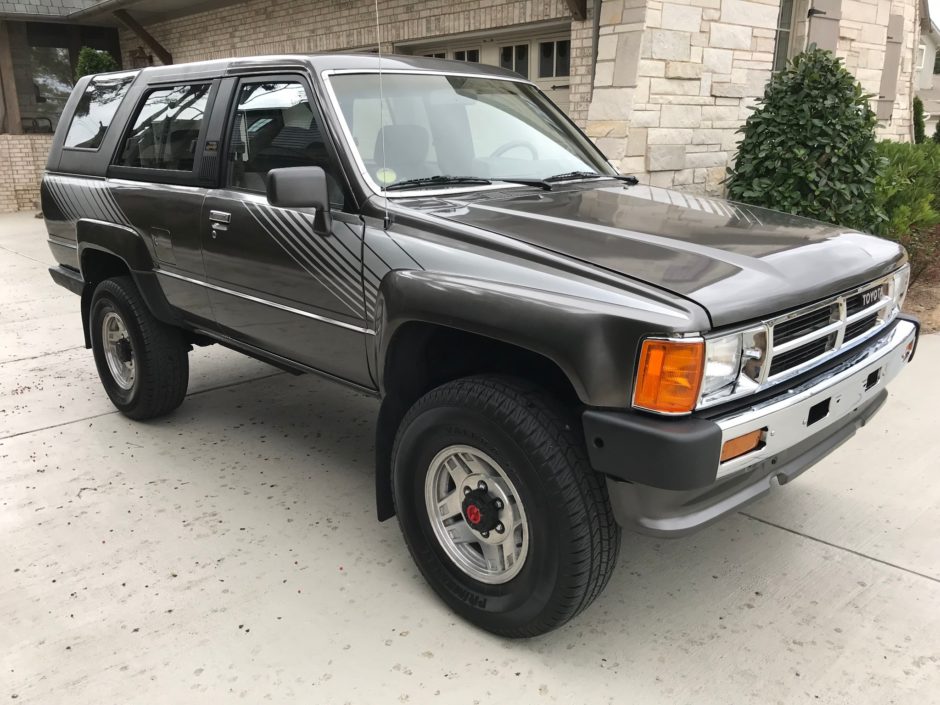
(123,349)
(480,510)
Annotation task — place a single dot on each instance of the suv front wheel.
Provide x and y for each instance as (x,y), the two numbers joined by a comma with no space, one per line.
(143,363)
(499,507)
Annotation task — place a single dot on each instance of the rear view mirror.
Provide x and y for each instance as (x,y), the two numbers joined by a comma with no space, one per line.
(302,187)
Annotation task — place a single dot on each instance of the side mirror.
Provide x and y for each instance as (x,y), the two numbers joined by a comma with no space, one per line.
(302,187)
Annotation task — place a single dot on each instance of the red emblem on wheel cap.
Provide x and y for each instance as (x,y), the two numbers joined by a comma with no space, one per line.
(473,514)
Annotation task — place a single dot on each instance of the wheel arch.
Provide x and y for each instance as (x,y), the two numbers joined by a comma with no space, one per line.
(422,355)
(106,250)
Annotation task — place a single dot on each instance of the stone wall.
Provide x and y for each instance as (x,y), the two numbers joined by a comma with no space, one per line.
(688,72)
(22,160)
(862,36)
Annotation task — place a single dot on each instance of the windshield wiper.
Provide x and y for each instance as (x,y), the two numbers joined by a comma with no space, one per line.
(538,183)
(546,183)
(439,180)
(590,175)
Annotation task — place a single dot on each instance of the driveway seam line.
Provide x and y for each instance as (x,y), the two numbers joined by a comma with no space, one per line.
(842,548)
(36,357)
(116,411)
(14,252)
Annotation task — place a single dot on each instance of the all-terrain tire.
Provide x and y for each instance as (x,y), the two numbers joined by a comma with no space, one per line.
(573,539)
(159,353)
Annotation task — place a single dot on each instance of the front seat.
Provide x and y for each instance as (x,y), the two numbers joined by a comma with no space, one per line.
(404,150)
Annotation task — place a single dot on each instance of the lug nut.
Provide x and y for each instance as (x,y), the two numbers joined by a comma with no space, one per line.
(485,534)
(498,504)
(466,490)
(500,528)
(482,486)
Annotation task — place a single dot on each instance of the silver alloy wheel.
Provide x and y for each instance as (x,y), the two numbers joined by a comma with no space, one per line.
(493,556)
(118,351)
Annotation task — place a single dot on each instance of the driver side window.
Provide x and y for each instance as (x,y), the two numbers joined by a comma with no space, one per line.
(275,126)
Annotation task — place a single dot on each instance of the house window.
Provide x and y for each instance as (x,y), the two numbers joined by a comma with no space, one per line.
(515,58)
(470,55)
(45,57)
(936,62)
(784,32)
(555,58)
(921,56)
(436,55)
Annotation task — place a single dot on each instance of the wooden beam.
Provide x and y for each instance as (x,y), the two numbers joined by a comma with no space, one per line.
(124,17)
(11,121)
(578,9)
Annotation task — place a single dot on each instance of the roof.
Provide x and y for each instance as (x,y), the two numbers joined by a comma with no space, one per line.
(100,11)
(322,62)
(44,8)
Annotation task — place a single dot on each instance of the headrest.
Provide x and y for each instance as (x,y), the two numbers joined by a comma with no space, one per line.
(402,144)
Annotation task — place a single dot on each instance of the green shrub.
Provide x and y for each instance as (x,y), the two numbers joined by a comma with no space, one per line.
(908,193)
(936,133)
(91,61)
(809,147)
(919,136)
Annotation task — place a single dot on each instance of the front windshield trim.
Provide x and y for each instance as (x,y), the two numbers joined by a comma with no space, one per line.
(326,74)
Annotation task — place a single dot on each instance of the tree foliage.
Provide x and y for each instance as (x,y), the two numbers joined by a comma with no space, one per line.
(92,61)
(908,192)
(919,128)
(809,146)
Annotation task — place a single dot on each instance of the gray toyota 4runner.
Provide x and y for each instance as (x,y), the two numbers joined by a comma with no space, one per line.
(558,350)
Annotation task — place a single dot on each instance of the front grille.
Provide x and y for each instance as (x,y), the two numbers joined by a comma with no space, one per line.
(802,325)
(853,330)
(800,355)
(802,338)
(794,343)
(855,303)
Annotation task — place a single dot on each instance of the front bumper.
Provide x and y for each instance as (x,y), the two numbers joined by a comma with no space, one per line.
(665,476)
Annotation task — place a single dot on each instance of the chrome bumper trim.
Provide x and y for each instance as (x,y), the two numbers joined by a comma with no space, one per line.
(846,387)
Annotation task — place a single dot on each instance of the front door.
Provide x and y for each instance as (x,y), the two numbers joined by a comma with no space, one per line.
(275,284)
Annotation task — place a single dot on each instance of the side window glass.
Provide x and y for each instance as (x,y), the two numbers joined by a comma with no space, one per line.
(96,109)
(166,130)
(274,127)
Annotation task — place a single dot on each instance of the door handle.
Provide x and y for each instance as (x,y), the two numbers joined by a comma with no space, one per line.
(220,217)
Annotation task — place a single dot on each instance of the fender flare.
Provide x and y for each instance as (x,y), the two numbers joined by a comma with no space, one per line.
(127,245)
(118,240)
(579,336)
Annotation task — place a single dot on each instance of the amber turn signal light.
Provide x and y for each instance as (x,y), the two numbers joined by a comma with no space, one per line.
(737,447)
(669,375)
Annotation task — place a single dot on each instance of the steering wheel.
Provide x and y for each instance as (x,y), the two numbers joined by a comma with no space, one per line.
(502,149)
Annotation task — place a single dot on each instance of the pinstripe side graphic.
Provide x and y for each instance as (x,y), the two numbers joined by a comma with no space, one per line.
(85,198)
(381,255)
(325,259)
(334,261)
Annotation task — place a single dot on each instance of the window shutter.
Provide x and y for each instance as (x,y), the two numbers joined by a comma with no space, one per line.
(824,19)
(889,74)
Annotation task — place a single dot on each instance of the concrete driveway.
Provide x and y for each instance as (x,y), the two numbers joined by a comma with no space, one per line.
(230,552)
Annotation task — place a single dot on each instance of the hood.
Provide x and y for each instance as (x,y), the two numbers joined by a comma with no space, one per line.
(739,262)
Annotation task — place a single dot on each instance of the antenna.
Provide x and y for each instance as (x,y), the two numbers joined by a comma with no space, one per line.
(384,171)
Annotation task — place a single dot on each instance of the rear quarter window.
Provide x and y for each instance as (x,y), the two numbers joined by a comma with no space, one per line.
(166,129)
(95,110)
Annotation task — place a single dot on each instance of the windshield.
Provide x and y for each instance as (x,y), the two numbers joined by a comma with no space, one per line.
(429,126)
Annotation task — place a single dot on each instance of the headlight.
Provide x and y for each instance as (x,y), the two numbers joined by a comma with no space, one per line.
(674,376)
(722,364)
(899,284)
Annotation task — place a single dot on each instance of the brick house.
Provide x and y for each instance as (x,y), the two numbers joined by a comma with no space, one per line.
(661,85)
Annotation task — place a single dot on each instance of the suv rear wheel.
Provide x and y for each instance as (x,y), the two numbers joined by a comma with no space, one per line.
(499,507)
(143,363)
